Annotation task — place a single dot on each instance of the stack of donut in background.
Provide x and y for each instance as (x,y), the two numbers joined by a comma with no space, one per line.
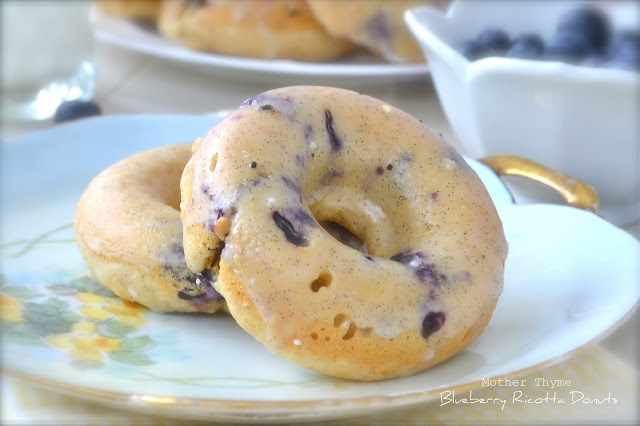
(306,30)
(244,216)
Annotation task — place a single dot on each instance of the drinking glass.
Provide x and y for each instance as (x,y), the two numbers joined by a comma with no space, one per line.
(47,57)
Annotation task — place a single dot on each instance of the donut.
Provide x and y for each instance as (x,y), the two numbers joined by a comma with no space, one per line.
(375,24)
(263,180)
(128,230)
(275,29)
(143,10)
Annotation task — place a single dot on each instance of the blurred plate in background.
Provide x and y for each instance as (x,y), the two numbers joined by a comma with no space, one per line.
(362,68)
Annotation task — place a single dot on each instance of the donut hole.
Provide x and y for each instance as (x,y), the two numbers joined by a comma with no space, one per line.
(358,221)
(344,235)
(173,200)
(161,183)
(323,280)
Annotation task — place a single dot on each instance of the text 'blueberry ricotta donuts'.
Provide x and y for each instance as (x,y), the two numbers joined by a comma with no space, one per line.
(262,181)
(128,230)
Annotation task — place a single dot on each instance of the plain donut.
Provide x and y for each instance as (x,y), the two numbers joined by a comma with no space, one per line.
(274,29)
(128,231)
(292,158)
(143,10)
(377,25)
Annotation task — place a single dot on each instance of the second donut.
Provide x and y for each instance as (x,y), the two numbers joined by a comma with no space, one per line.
(129,233)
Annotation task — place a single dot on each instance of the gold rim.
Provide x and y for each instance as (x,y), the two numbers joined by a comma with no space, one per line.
(576,193)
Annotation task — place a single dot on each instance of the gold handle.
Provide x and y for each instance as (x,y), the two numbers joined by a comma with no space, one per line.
(576,193)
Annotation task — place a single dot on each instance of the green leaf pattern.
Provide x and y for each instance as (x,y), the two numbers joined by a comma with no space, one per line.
(62,316)
(69,317)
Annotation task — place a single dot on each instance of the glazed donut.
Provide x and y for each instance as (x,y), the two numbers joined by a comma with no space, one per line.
(144,10)
(260,183)
(375,24)
(275,29)
(128,230)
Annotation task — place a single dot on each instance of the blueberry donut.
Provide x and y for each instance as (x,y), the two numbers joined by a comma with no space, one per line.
(430,270)
(143,10)
(128,230)
(274,29)
(375,24)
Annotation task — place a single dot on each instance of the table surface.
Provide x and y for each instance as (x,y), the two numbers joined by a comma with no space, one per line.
(132,83)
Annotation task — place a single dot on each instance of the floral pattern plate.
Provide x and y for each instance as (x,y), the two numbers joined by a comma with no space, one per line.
(570,279)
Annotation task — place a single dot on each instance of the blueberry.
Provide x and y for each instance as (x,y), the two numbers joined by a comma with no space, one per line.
(589,22)
(471,50)
(432,322)
(568,46)
(290,233)
(526,46)
(624,51)
(334,139)
(494,39)
(72,110)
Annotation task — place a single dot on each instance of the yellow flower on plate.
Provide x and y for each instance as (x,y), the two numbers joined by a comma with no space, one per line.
(87,354)
(131,320)
(95,312)
(123,307)
(10,309)
(91,348)
(90,298)
(107,344)
(60,341)
(84,327)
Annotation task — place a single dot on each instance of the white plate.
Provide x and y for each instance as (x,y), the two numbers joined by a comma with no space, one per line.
(361,68)
(570,279)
